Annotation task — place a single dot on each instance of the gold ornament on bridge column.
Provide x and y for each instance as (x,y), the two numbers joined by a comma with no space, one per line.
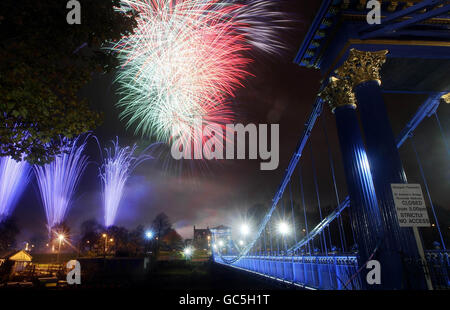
(446,98)
(362,66)
(338,93)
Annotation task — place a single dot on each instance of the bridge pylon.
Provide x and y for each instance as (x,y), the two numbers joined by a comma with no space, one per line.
(362,71)
(364,211)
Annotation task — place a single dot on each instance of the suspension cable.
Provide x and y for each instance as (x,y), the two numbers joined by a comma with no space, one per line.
(428,191)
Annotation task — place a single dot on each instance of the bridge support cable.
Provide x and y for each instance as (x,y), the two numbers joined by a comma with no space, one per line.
(325,231)
(323,241)
(427,109)
(319,227)
(331,160)
(294,228)
(302,192)
(292,212)
(444,138)
(427,189)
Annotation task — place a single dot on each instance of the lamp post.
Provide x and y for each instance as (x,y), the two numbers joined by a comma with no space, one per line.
(106,242)
(284,230)
(148,237)
(188,251)
(60,239)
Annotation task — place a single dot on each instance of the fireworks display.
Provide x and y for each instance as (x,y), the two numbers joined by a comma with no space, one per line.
(58,180)
(262,22)
(14,177)
(114,173)
(186,58)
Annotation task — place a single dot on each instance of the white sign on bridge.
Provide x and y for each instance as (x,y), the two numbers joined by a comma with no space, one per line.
(410,205)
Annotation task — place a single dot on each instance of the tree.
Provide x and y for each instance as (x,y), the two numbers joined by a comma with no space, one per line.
(173,240)
(136,241)
(161,225)
(119,243)
(90,226)
(8,234)
(90,235)
(45,62)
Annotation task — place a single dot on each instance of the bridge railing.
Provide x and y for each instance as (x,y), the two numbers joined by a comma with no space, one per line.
(439,266)
(312,272)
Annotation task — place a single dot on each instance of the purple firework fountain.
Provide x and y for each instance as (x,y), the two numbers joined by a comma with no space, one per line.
(58,180)
(14,178)
(116,169)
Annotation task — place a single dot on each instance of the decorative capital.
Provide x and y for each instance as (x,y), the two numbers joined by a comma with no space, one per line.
(362,66)
(446,98)
(338,93)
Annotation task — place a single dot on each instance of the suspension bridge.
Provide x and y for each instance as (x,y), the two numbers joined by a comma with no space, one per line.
(339,203)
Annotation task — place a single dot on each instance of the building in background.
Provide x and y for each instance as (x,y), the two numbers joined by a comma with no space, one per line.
(202,239)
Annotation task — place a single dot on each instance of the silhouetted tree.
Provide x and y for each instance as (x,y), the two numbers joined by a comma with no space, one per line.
(118,245)
(173,240)
(8,234)
(136,240)
(161,226)
(91,232)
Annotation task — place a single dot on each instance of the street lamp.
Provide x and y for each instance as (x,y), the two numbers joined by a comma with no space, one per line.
(148,237)
(106,243)
(149,234)
(283,228)
(245,229)
(188,252)
(60,239)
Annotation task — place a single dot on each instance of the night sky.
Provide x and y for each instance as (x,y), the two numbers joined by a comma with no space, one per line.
(214,193)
